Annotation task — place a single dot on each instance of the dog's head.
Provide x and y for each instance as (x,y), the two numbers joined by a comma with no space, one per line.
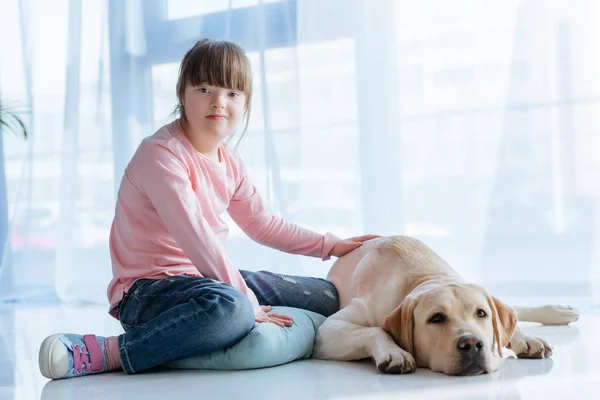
(457,329)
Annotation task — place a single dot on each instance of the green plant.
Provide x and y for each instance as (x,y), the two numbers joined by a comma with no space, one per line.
(11,120)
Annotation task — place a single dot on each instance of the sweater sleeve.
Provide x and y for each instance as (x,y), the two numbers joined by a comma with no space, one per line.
(164,178)
(250,214)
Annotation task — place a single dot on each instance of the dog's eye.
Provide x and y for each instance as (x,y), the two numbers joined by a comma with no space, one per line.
(437,318)
(481,313)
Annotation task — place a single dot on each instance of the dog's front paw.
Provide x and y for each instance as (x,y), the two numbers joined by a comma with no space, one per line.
(530,347)
(394,360)
(557,314)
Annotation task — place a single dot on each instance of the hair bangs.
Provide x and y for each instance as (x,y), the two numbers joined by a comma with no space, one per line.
(219,64)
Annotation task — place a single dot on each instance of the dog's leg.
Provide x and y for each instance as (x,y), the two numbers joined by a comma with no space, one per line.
(548,314)
(526,346)
(339,339)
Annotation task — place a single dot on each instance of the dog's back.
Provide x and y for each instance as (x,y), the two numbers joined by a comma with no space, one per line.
(400,261)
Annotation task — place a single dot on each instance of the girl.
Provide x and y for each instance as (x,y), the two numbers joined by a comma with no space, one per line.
(175,290)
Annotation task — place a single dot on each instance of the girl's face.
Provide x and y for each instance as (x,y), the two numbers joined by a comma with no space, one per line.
(213,110)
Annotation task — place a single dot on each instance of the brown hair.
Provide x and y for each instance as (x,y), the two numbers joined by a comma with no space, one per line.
(216,63)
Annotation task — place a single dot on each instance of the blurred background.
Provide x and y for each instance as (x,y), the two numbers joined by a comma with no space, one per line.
(473,125)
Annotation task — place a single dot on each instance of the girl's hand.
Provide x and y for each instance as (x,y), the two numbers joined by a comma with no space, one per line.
(277,319)
(347,245)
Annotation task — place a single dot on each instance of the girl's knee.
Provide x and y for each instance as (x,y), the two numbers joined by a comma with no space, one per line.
(225,318)
(327,301)
(237,315)
(243,311)
(329,308)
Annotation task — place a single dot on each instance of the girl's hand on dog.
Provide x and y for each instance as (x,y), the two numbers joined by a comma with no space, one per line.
(347,245)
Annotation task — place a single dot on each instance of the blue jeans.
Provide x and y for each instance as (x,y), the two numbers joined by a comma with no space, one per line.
(183,316)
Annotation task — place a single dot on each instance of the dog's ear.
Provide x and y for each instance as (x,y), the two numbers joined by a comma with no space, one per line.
(400,324)
(504,320)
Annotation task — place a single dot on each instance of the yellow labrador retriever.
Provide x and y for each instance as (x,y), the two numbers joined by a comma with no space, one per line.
(403,306)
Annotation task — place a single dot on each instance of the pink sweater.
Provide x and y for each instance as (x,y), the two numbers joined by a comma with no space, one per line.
(168,216)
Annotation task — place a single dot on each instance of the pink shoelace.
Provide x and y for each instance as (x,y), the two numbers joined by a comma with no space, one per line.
(88,355)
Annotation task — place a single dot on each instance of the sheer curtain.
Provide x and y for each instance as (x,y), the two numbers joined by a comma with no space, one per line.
(472,125)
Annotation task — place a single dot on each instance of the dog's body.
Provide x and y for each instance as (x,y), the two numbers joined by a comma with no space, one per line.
(403,306)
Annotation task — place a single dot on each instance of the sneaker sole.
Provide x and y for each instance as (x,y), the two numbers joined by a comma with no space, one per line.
(45,356)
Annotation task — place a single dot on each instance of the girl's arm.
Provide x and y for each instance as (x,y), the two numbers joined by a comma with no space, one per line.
(164,178)
(249,212)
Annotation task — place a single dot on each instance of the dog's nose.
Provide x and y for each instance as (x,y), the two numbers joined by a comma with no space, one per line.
(470,344)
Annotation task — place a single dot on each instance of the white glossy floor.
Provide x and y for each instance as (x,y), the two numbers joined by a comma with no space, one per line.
(573,372)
